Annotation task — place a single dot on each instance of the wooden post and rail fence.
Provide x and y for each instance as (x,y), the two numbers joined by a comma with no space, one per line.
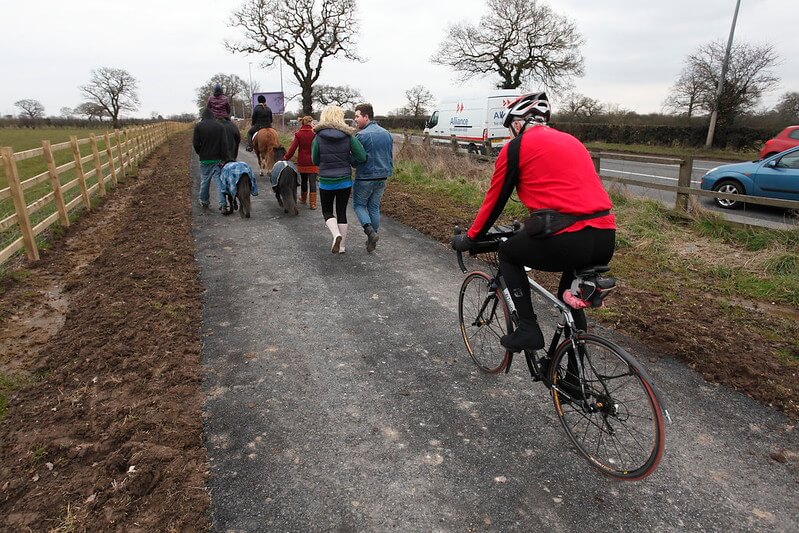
(683,189)
(109,158)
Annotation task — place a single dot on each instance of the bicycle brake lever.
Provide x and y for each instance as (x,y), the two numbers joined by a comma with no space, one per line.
(459,254)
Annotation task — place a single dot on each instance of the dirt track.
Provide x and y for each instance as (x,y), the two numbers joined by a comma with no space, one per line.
(108,434)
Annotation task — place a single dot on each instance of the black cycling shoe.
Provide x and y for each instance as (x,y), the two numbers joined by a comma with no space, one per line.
(527,336)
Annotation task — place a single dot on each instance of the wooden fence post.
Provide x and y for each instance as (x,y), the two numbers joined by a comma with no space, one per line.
(110,157)
(127,151)
(487,147)
(454,142)
(139,149)
(55,183)
(23,219)
(595,159)
(121,156)
(426,140)
(98,167)
(406,141)
(684,180)
(148,140)
(84,191)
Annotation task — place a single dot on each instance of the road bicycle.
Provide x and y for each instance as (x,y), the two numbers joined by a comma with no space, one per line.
(606,401)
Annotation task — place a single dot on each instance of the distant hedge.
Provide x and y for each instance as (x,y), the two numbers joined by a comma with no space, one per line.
(736,138)
(402,123)
(60,122)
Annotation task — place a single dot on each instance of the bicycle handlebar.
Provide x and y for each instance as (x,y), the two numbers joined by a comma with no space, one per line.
(489,242)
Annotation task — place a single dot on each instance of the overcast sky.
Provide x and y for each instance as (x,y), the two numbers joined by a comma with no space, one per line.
(634,49)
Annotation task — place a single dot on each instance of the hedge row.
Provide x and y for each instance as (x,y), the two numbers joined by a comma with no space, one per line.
(736,138)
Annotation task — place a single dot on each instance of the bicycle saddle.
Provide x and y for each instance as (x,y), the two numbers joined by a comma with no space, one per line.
(591,270)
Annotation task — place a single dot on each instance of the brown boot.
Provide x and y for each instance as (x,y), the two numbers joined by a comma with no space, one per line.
(303,197)
(312,200)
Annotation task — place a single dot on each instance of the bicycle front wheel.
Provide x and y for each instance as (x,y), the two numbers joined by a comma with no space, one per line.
(608,409)
(484,318)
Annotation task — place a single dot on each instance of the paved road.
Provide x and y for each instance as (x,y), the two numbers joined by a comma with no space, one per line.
(339,397)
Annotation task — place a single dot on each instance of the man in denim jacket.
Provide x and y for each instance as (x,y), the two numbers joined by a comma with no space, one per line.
(370,179)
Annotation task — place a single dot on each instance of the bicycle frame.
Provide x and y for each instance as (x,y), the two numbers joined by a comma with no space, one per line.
(566,320)
(606,401)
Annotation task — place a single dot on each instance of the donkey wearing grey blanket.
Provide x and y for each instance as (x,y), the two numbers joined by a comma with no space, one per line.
(287,181)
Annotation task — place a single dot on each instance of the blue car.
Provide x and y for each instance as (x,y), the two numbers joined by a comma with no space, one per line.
(773,177)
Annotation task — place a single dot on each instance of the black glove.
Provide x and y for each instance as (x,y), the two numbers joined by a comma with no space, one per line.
(462,243)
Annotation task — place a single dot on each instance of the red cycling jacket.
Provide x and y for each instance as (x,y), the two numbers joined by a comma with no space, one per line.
(555,172)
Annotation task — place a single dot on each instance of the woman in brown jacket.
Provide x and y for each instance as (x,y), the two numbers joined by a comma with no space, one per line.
(308,171)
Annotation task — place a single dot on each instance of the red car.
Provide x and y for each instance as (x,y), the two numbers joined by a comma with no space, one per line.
(787,138)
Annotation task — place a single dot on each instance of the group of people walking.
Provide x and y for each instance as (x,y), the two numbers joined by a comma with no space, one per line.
(326,155)
(551,172)
(336,149)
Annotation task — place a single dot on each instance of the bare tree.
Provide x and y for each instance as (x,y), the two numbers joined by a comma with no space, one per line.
(748,78)
(340,95)
(522,41)
(579,107)
(92,111)
(66,112)
(615,114)
(300,33)
(788,107)
(686,93)
(419,100)
(30,108)
(113,89)
(236,89)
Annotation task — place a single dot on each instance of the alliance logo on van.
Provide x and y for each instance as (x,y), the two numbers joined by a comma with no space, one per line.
(459,122)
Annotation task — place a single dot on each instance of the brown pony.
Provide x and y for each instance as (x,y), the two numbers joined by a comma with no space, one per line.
(265,141)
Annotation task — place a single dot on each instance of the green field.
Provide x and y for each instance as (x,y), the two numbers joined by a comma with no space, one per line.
(21,139)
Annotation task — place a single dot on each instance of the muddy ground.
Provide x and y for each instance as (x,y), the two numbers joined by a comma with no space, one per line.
(100,358)
(103,429)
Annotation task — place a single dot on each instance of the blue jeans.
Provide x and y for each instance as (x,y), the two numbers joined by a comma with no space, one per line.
(207,173)
(366,196)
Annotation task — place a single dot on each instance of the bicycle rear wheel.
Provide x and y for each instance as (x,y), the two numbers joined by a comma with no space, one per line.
(609,410)
(484,318)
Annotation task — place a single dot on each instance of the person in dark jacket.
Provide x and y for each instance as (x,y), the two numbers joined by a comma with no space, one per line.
(218,103)
(232,139)
(334,149)
(261,118)
(303,140)
(211,145)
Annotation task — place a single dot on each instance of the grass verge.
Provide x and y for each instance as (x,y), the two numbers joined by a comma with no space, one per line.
(723,299)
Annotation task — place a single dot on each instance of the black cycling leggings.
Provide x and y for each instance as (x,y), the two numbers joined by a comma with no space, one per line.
(341,198)
(560,253)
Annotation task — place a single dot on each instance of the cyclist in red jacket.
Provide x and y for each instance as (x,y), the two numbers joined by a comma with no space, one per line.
(548,169)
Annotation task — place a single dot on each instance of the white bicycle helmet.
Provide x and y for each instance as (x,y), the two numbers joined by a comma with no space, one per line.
(534,107)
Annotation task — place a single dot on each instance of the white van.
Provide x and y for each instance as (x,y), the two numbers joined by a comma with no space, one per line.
(473,120)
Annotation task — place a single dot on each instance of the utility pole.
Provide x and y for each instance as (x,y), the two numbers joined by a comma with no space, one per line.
(711,131)
(282,95)
(250,91)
